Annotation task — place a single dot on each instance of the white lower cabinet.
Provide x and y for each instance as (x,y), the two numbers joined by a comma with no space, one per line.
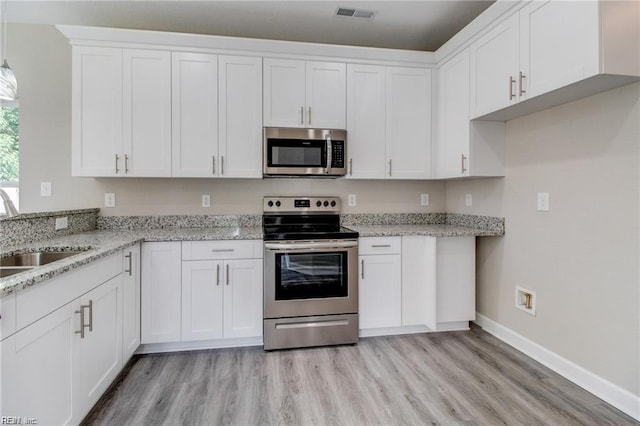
(379,285)
(243,298)
(55,368)
(202,300)
(130,302)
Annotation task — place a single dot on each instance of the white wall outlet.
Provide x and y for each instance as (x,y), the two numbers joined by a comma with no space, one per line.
(62,223)
(468,200)
(424,199)
(45,189)
(526,300)
(109,199)
(352,200)
(543,202)
(206,200)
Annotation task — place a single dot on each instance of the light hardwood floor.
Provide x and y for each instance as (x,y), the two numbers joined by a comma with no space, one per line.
(468,378)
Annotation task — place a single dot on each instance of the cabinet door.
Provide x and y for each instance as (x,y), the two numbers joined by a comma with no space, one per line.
(559,44)
(408,123)
(380,291)
(202,300)
(284,93)
(194,115)
(161,292)
(243,298)
(38,368)
(97,111)
(453,117)
(366,121)
(494,68)
(147,113)
(456,288)
(326,95)
(240,89)
(100,351)
(419,281)
(130,302)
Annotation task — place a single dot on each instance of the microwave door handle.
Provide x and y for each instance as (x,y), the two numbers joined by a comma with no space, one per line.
(329,154)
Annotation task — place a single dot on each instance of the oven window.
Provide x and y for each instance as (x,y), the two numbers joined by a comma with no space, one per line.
(288,153)
(311,275)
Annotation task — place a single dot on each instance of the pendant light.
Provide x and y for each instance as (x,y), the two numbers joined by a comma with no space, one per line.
(8,82)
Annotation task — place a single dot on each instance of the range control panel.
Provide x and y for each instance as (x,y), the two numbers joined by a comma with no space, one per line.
(289,204)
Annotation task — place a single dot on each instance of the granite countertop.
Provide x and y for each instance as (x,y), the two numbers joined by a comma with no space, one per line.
(99,244)
(103,243)
(423,230)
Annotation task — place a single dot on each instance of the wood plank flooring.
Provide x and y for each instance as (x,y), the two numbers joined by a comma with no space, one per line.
(455,378)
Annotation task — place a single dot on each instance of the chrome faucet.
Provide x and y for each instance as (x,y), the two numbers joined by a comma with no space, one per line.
(9,209)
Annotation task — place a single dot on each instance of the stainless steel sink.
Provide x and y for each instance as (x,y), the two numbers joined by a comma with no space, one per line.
(34,259)
(7,271)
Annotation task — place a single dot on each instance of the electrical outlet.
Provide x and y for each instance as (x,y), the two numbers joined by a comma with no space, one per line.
(109,199)
(206,200)
(62,223)
(352,200)
(543,201)
(45,189)
(424,199)
(468,200)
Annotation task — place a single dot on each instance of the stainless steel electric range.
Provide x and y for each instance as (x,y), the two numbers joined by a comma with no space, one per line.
(310,274)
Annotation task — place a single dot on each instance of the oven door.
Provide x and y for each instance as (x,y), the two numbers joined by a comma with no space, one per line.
(304,278)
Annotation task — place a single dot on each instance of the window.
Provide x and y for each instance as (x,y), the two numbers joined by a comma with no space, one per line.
(9,152)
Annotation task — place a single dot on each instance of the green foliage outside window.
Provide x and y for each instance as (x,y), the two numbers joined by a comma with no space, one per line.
(9,143)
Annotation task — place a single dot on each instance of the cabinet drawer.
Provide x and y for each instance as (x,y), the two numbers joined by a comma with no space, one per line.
(36,302)
(224,249)
(379,245)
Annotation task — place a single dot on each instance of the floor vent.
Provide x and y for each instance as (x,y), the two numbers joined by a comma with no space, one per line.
(354,13)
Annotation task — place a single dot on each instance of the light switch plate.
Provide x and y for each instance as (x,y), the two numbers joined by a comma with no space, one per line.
(424,199)
(109,199)
(468,200)
(543,202)
(352,200)
(45,189)
(206,200)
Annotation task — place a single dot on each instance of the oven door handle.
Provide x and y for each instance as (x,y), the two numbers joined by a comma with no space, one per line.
(309,246)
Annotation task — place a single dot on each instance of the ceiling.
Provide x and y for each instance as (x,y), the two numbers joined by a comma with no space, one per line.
(414,25)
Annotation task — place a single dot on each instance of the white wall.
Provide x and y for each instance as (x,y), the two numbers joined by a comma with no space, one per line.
(581,257)
(41,59)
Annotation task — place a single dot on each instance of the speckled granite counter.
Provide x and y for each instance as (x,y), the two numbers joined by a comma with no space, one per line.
(437,230)
(99,244)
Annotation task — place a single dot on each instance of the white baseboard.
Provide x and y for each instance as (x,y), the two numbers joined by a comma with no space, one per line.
(613,394)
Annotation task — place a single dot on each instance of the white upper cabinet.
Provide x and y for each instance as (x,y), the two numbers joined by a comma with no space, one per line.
(464,148)
(408,123)
(121,112)
(194,114)
(494,68)
(147,113)
(240,116)
(301,93)
(217,115)
(389,122)
(366,121)
(563,50)
(97,111)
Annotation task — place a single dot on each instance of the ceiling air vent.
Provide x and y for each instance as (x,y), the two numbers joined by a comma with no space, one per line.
(354,13)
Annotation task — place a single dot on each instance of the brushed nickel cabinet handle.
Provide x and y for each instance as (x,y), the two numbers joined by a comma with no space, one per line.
(309,116)
(81,331)
(130,270)
(390,169)
(302,115)
(227,274)
(381,245)
(362,269)
(221,165)
(90,315)
(222,250)
(350,166)
(463,169)
(512,81)
(117,169)
(213,165)
(218,274)
(522,77)
(126,163)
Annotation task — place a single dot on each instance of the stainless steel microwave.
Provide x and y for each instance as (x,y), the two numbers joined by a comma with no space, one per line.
(304,152)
